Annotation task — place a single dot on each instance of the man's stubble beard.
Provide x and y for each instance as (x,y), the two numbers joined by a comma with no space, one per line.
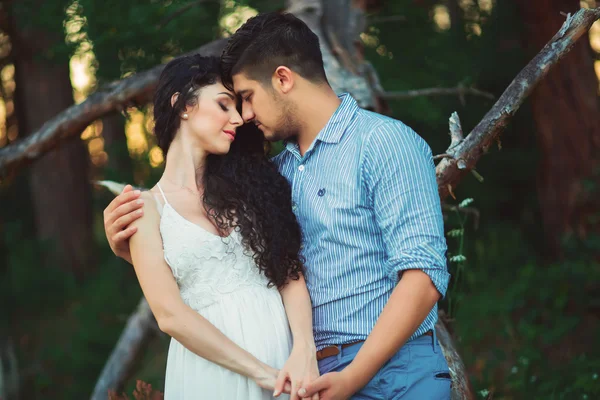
(288,126)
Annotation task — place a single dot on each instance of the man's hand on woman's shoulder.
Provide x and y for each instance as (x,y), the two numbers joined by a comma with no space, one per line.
(118,216)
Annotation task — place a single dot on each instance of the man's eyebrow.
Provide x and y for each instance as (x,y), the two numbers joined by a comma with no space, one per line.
(228,94)
(241,93)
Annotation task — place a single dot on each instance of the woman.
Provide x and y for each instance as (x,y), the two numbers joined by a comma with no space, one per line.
(216,250)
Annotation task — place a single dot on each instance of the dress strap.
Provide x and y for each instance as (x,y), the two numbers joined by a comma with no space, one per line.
(163,193)
(159,204)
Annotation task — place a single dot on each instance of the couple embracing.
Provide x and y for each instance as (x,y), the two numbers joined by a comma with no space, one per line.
(313,275)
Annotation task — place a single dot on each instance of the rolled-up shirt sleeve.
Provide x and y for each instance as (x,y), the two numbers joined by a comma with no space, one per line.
(399,175)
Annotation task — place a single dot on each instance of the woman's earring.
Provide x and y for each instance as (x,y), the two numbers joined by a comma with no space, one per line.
(185,116)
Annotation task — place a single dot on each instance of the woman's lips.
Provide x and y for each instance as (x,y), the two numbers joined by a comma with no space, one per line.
(231,134)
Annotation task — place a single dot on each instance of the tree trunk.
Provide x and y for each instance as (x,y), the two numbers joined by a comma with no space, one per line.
(119,167)
(565,109)
(59,181)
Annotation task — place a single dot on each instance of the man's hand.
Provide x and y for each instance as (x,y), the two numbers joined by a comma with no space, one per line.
(299,370)
(331,386)
(120,213)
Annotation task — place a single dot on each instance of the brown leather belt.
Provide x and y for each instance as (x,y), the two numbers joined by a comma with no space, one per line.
(330,351)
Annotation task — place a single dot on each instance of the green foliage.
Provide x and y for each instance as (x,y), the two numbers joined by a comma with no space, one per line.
(43,19)
(136,35)
(73,327)
(412,53)
(527,330)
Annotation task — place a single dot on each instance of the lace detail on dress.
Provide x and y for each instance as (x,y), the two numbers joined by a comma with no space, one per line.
(206,266)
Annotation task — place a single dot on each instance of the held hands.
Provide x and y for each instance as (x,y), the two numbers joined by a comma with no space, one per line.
(300,369)
(120,213)
(331,386)
(266,377)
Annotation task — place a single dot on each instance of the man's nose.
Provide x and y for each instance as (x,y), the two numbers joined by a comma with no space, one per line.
(247,113)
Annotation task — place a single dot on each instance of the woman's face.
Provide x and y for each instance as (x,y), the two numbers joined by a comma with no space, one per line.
(211,124)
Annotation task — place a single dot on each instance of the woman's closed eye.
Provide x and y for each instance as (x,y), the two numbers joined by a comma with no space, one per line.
(223,107)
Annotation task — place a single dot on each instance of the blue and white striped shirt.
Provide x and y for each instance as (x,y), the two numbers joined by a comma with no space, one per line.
(366,198)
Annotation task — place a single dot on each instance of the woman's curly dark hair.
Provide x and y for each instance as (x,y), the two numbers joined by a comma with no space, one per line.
(242,189)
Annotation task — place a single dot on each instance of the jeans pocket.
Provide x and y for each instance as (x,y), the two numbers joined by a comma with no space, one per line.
(443,375)
(392,378)
(442,378)
(328,364)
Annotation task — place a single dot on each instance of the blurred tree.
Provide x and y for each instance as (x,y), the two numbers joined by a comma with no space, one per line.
(59,182)
(142,35)
(565,109)
(119,166)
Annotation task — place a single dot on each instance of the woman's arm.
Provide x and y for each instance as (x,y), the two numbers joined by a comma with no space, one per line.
(298,307)
(301,367)
(176,318)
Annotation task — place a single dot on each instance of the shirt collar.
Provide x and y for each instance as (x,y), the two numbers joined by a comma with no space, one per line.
(336,126)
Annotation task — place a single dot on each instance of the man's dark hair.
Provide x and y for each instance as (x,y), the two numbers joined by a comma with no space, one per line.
(242,189)
(269,40)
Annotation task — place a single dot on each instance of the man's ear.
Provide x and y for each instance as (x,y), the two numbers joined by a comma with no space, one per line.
(283,79)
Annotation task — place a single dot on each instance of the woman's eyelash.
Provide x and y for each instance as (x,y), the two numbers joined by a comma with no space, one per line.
(223,107)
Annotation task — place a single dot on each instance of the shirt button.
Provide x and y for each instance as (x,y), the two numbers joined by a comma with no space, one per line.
(301,168)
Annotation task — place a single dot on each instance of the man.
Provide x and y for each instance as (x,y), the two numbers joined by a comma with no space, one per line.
(365,194)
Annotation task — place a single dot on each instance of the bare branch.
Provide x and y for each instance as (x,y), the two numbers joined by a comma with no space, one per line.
(461,388)
(456,132)
(440,156)
(457,91)
(451,170)
(138,330)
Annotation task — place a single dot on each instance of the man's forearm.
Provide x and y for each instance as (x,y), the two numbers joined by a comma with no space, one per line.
(298,307)
(405,311)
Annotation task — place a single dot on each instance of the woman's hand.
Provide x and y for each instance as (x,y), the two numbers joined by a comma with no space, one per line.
(300,369)
(266,377)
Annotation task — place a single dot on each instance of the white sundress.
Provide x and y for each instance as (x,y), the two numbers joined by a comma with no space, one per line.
(220,280)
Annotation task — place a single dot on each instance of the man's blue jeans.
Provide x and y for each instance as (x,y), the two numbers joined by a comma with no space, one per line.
(417,371)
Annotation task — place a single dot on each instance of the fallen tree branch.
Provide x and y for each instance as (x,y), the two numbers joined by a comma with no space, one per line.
(451,170)
(136,90)
(456,132)
(122,362)
(461,388)
(440,156)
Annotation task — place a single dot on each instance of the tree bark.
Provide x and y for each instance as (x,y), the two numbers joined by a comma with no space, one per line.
(567,101)
(59,180)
